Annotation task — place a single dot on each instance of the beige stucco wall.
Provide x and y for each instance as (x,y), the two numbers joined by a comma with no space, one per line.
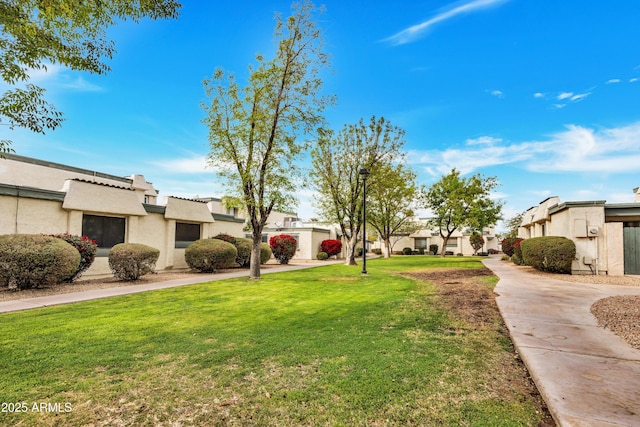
(614,248)
(31,216)
(233,228)
(574,223)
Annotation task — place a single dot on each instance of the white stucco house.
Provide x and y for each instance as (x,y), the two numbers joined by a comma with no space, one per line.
(607,235)
(38,196)
(426,236)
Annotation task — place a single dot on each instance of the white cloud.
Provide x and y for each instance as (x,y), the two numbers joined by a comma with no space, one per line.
(412,33)
(580,96)
(580,149)
(497,93)
(484,140)
(55,75)
(81,85)
(576,149)
(185,165)
(569,97)
(613,81)
(633,80)
(538,95)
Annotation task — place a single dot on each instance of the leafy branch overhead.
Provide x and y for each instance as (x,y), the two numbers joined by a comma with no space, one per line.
(36,34)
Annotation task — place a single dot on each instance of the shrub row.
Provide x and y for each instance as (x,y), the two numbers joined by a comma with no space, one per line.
(87,249)
(131,261)
(32,260)
(210,255)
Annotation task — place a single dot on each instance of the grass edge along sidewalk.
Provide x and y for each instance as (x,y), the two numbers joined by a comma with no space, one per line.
(323,346)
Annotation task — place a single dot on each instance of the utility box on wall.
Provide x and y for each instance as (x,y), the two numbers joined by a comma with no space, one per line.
(580,228)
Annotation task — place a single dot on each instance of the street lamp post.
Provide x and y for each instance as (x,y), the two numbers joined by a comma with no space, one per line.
(364,172)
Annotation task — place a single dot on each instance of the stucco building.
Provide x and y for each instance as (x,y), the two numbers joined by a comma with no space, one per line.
(37,196)
(426,236)
(607,235)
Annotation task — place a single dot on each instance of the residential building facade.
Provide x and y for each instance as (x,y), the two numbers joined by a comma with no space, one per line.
(41,197)
(606,235)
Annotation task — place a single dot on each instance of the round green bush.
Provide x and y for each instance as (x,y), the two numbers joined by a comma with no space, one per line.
(131,261)
(33,260)
(87,248)
(322,256)
(407,251)
(265,253)
(553,254)
(243,246)
(209,255)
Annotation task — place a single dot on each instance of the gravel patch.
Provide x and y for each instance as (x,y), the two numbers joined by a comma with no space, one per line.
(621,315)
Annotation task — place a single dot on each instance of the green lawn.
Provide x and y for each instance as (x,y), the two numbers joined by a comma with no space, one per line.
(324,346)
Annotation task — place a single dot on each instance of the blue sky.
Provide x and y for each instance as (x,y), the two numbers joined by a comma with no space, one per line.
(544,94)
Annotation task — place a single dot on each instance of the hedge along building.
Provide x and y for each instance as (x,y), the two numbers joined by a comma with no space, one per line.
(44,197)
(607,236)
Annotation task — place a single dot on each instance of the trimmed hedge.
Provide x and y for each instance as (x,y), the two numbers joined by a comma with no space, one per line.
(131,261)
(265,253)
(209,255)
(553,254)
(33,260)
(87,249)
(322,256)
(433,249)
(407,251)
(243,246)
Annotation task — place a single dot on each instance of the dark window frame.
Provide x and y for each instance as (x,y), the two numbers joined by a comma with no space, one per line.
(107,231)
(187,233)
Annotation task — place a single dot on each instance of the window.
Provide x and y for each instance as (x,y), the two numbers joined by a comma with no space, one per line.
(186,233)
(420,243)
(264,238)
(107,231)
(452,243)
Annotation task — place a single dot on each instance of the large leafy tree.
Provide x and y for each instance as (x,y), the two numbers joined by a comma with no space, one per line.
(36,33)
(253,129)
(390,202)
(457,202)
(337,160)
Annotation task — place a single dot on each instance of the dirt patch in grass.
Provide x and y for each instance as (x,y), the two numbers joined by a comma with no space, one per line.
(466,295)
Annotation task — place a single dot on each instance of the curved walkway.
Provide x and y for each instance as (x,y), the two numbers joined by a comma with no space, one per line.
(587,375)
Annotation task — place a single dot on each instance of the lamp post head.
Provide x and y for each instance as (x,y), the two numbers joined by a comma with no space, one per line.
(364,172)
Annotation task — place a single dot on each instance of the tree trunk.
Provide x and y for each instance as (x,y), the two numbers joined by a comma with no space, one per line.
(254,267)
(386,248)
(444,246)
(351,251)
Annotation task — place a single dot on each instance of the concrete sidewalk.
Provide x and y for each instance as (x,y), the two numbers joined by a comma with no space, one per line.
(50,300)
(586,374)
